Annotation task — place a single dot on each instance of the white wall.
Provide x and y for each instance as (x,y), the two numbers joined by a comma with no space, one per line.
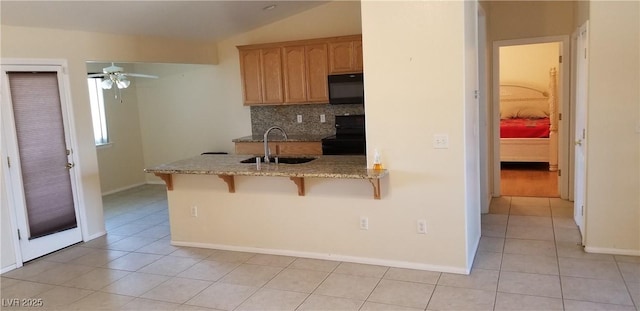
(77,48)
(529,64)
(613,157)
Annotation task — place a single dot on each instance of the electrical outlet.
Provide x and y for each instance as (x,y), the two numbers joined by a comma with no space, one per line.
(421,227)
(323,119)
(441,141)
(364,223)
(194,211)
(299,118)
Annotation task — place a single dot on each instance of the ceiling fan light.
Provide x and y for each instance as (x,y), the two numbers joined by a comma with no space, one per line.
(106,84)
(123,83)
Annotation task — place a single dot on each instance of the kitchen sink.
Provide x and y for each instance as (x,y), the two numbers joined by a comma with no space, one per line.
(282,160)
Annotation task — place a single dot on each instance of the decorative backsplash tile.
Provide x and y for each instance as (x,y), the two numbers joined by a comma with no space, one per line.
(285,116)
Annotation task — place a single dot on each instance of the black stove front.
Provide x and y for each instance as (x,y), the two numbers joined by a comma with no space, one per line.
(349,138)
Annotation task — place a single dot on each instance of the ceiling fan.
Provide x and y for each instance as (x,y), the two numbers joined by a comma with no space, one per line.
(115,75)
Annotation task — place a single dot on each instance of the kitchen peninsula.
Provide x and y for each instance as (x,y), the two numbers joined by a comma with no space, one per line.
(228,166)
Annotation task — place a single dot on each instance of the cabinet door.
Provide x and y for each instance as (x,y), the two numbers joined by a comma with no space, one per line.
(295,74)
(271,60)
(341,57)
(357,56)
(317,71)
(251,76)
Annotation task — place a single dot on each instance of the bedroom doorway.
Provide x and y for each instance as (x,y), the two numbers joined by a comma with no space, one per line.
(530,99)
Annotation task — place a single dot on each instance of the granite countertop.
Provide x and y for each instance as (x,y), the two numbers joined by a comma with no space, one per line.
(276,137)
(327,166)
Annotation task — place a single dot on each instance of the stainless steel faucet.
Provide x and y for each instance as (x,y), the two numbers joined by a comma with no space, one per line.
(266,141)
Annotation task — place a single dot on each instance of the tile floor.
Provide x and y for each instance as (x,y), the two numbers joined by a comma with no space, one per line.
(528,258)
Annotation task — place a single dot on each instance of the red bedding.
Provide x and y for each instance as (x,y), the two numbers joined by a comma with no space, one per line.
(524,128)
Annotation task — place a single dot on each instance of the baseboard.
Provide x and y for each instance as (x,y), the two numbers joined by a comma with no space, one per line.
(124,188)
(8,268)
(612,251)
(332,257)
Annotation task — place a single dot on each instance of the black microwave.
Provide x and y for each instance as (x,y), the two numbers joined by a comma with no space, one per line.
(346,89)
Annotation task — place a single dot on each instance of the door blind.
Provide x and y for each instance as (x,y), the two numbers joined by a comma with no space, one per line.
(35,97)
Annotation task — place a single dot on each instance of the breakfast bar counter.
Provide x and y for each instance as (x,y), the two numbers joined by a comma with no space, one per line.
(228,166)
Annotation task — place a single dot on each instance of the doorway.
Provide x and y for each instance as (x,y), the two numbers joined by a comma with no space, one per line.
(522,75)
(40,175)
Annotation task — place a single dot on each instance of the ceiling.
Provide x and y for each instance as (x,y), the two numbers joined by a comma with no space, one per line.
(202,20)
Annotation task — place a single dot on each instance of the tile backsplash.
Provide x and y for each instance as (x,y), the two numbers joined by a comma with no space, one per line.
(285,116)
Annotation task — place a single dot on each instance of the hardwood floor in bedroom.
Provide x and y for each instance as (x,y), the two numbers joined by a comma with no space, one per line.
(528,180)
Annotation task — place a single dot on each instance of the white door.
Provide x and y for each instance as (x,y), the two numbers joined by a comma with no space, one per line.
(582,76)
(40,180)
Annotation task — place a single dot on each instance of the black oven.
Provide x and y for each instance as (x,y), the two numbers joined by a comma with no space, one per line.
(349,138)
(346,89)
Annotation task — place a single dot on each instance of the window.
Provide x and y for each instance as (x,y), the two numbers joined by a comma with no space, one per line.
(98,114)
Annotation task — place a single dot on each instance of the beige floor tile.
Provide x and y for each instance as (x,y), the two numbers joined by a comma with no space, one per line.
(530,284)
(411,275)
(361,270)
(170,265)
(160,247)
(488,260)
(575,305)
(129,229)
(562,212)
(68,254)
(595,269)
(7,282)
(156,232)
(99,257)
(530,247)
(61,296)
(96,279)
(401,293)
(177,290)
(508,302)
(494,219)
(594,290)
(530,202)
(630,271)
(271,260)
(347,286)
(305,281)
(500,205)
(209,270)
(101,301)
(623,258)
(230,256)
(530,264)
(575,250)
(60,274)
(535,221)
(529,211)
(529,233)
(222,296)
(194,308)
(568,235)
(456,298)
(374,306)
(272,299)
(193,252)
(314,264)
(130,244)
(147,304)
(634,291)
(104,241)
(491,244)
(478,279)
(251,275)
(132,261)
(32,269)
(557,202)
(135,284)
(494,230)
(25,289)
(561,222)
(320,302)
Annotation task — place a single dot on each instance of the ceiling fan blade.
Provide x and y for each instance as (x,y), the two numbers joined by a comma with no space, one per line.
(97,75)
(139,75)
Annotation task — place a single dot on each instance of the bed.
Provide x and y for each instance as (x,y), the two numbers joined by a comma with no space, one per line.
(529,123)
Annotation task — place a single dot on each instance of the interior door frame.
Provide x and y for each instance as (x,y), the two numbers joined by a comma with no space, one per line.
(564,141)
(69,126)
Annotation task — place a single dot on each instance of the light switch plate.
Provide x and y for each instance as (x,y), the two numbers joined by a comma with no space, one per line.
(440,141)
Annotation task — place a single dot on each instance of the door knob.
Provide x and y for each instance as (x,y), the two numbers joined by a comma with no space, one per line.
(69,165)
(578,142)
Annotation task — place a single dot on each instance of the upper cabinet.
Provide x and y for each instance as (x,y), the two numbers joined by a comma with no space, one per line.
(345,56)
(296,72)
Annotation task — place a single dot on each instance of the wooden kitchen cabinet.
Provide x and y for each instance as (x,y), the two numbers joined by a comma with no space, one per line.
(345,57)
(295,74)
(261,71)
(283,148)
(317,71)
